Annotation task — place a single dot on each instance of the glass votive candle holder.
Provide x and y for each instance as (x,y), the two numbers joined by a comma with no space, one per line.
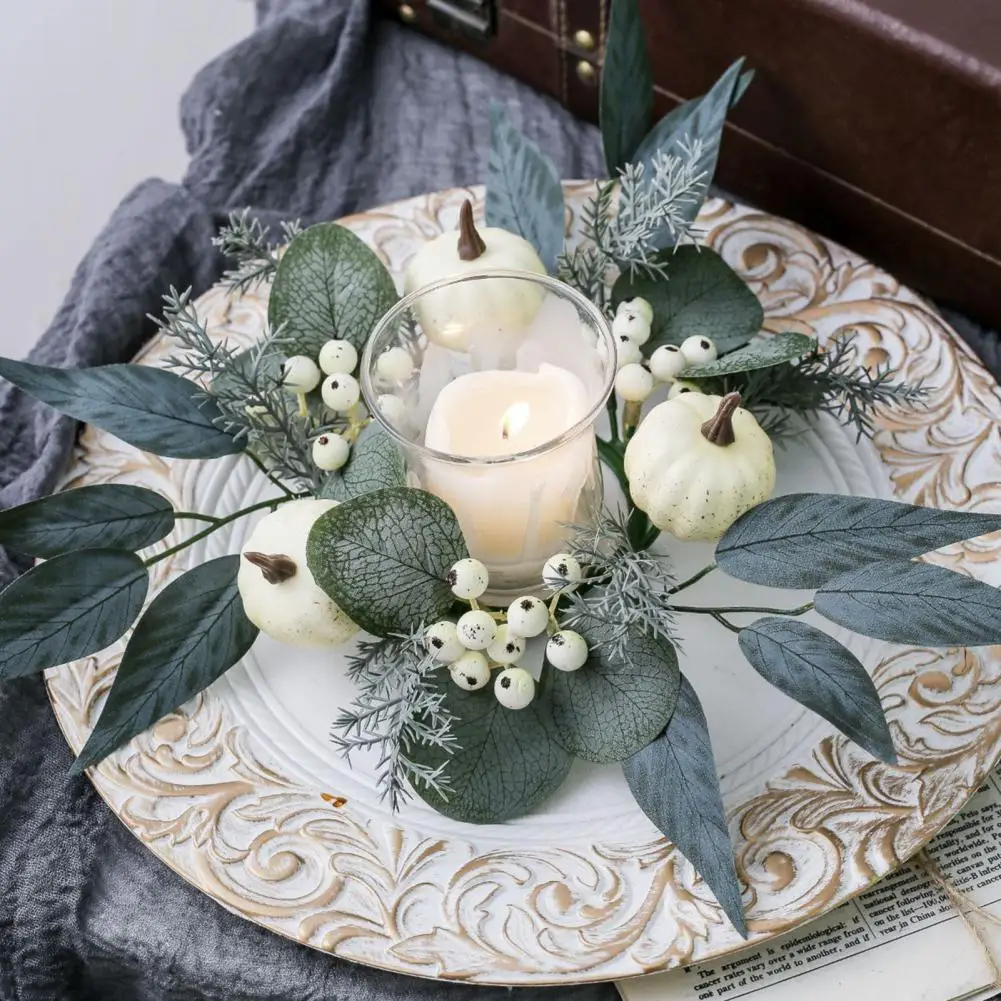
(492,384)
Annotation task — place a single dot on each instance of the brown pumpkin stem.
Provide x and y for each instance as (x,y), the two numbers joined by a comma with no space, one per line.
(719,428)
(276,567)
(471,244)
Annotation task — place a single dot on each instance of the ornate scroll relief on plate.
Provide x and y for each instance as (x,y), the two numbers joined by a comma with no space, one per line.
(241,793)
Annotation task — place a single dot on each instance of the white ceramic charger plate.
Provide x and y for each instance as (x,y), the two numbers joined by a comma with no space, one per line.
(240,792)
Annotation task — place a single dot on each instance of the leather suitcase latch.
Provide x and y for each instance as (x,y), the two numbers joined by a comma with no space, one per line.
(477,18)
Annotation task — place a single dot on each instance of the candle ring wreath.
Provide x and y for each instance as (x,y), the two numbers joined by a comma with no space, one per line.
(480,706)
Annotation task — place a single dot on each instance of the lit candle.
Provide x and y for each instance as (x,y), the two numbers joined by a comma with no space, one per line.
(513,514)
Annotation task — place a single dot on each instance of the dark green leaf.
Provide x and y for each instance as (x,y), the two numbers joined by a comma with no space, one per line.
(626,105)
(675,785)
(914,603)
(805,540)
(819,673)
(376,463)
(192,632)
(69,607)
(767,353)
(703,295)
(508,761)
(154,410)
(383,558)
(329,285)
(614,706)
(524,194)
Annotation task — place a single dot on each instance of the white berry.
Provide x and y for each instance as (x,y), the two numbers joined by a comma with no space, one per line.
(633,383)
(300,374)
(476,629)
(562,571)
(637,305)
(330,451)
(628,323)
(340,392)
(468,578)
(627,352)
(395,365)
(338,357)
(667,362)
(506,647)
(698,350)
(682,386)
(514,688)
(443,641)
(471,671)
(566,650)
(527,616)
(393,409)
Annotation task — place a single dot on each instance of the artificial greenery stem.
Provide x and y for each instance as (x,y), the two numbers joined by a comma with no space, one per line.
(735,609)
(694,579)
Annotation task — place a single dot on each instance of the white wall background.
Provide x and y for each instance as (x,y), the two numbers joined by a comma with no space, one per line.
(89,108)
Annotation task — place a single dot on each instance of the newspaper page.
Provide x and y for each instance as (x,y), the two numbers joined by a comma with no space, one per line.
(901,939)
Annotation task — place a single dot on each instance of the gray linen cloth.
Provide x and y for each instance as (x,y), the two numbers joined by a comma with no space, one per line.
(320,112)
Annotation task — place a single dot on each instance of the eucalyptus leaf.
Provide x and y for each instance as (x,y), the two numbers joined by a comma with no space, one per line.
(329,285)
(524,193)
(193,631)
(914,603)
(69,607)
(383,558)
(673,780)
(766,353)
(702,295)
(626,102)
(614,706)
(813,668)
(506,763)
(154,410)
(107,515)
(376,463)
(805,540)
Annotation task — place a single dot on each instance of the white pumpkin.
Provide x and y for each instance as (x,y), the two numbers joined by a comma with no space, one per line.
(454,317)
(697,463)
(279,594)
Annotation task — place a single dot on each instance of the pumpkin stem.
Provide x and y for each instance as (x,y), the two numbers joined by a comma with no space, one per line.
(719,428)
(276,567)
(471,244)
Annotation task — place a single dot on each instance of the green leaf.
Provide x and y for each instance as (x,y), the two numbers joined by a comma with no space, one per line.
(674,782)
(805,540)
(703,295)
(112,516)
(914,603)
(376,463)
(383,558)
(819,673)
(149,408)
(765,353)
(329,285)
(614,706)
(524,194)
(626,104)
(192,632)
(69,607)
(507,761)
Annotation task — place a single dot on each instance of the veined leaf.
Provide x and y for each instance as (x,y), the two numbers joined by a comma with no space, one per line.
(914,603)
(819,673)
(376,463)
(384,557)
(192,632)
(69,607)
(771,351)
(674,782)
(805,540)
(524,194)
(108,515)
(152,409)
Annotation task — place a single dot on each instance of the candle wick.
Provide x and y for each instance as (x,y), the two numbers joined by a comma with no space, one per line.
(504,432)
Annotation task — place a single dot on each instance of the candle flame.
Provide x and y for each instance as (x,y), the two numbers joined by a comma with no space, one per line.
(515,418)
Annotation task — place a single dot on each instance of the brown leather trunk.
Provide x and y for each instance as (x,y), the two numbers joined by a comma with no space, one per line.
(877,123)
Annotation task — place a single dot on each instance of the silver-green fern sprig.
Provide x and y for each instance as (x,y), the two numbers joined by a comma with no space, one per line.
(397,709)
(244,239)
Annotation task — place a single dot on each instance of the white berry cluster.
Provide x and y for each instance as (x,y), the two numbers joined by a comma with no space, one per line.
(481,641)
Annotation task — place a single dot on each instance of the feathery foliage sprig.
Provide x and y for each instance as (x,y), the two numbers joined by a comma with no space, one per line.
(244,239)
